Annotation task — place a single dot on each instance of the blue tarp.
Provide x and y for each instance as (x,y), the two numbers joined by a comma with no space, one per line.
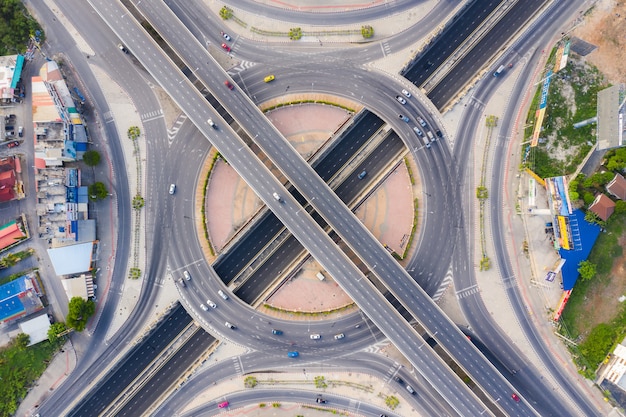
(587,234)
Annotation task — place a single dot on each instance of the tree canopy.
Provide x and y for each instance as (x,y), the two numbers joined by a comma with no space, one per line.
(80,312)
(587,270)
(91,158)
(54,331)
(98,191)
(16,27)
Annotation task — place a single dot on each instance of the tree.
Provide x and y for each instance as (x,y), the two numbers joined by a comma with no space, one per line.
(97,191)
(593,218)
(620,207)
(587,270)
(91,158)
(80,310)
(22,340)
(55,330)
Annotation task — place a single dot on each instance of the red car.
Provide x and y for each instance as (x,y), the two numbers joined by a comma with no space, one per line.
(226,47)
(13,144)
(515,397)
(228,84)
(223,405)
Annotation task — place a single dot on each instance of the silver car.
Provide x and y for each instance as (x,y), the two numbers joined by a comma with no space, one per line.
(211,304)
(187,276)
(316,336)
(401,100)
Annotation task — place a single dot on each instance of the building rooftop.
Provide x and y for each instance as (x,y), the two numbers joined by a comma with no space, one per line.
(603,206)
(617,187)
(72,259)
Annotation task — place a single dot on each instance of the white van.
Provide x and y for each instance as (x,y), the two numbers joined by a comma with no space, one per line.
(221,293)
(320,276)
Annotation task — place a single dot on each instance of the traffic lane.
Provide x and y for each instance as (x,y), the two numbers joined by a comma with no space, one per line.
(125,371)
(459,350)
(167,375)
(304,229)
(483,93)
(450,40)
(269,226)
(483,51)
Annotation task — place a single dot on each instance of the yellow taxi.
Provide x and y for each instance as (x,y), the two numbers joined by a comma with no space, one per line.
(269,78)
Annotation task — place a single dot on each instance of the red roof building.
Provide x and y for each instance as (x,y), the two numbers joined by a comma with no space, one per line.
(603,207)
(617,187)
(11,233)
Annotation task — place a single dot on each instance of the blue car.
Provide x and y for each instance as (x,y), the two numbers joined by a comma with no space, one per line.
(293,354)
(277,332)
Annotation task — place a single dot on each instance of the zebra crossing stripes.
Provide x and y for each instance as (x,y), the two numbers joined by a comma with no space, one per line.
(447,280)
(155,114)
(238,365)
(243,65)
(171,133)
(466,292)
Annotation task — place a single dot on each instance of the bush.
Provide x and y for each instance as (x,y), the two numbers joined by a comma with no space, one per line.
(80,310)
(367,31)
(16,27)
(250,382)
(226,13)
(598,343)
(97,191)
(91,158)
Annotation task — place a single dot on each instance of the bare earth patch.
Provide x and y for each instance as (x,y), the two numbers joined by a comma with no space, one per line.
(605,27)
(602,301)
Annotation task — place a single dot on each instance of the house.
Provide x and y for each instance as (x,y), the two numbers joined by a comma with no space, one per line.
(617,187)
(603,207)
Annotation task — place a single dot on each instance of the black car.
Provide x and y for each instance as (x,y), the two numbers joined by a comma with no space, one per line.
(398,380)
(439,134)
(320,400)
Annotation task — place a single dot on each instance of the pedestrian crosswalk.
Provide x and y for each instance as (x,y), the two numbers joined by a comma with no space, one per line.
(466,292)
(386,48)
(155,114)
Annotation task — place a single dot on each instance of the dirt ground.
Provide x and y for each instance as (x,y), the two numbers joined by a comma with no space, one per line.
(605,27)
(602,301)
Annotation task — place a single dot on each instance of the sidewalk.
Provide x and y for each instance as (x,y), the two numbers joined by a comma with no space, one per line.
(529,269)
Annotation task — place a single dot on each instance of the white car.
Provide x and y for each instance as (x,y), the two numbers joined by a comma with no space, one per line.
(187,276)
(339,336)
(202,306)
(226,36)
(401,100)
(422,122)
(211,304)
(172,188)
(406,93)
(316,336)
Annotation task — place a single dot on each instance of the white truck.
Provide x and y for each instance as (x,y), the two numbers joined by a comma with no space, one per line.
(320,276)
(430,136)
(425,140)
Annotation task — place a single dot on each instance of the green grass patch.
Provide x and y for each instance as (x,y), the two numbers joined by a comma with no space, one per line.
(19,368)
(572,98)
